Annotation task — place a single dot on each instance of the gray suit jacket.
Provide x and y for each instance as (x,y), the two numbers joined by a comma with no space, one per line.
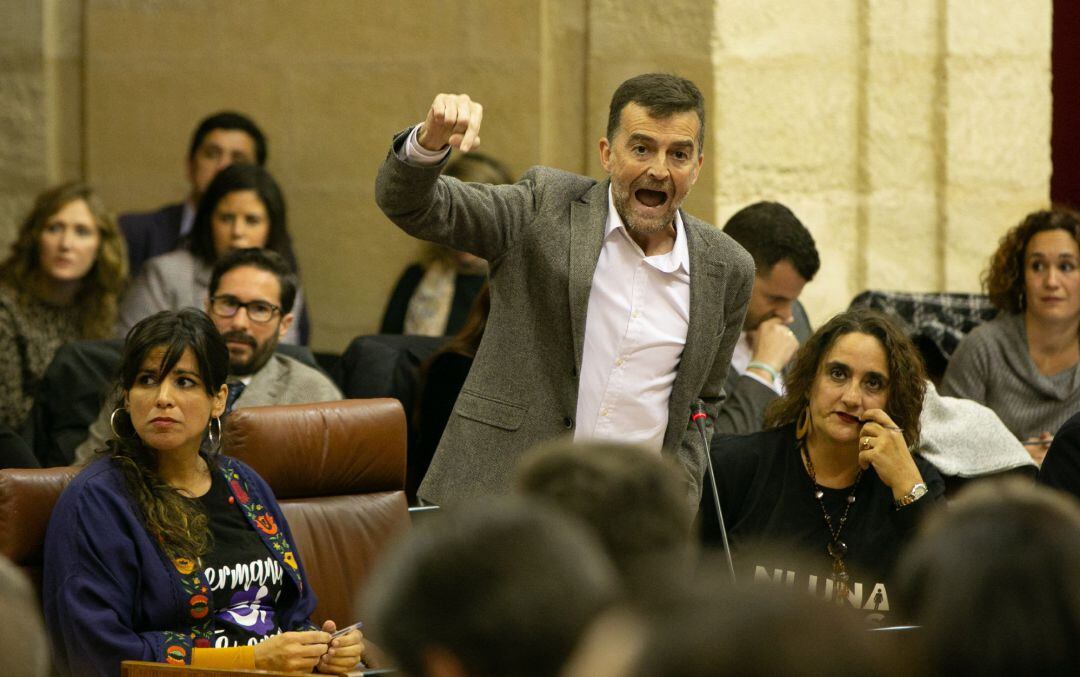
(542,238)
(282,380)
(747,398)
(150,234)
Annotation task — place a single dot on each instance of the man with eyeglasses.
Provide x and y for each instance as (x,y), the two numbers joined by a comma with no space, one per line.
(251,298)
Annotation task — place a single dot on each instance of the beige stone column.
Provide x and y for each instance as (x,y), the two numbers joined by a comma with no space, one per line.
(997,116)
(907,135)
(787,89)
(40,103)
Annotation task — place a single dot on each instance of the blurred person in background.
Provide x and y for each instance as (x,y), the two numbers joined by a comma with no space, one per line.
(994,583)
(24,646)
(61,282)
(496,587)
(634,499)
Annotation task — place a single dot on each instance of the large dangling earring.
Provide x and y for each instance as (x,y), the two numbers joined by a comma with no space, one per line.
(112,422)
(802,425)
(214,439)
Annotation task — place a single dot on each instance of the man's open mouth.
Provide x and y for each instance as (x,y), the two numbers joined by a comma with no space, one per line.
(650,198)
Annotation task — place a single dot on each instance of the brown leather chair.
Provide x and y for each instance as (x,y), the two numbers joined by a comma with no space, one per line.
(338,471)
(27,497)
(337,468)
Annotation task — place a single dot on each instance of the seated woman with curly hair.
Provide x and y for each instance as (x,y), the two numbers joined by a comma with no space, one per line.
(163,549)
(832,481)
(1025,363)
(61,282)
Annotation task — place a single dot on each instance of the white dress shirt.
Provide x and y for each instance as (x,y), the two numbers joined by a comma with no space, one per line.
(635,329)
(635,332)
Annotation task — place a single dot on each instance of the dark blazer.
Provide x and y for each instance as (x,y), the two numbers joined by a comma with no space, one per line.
(744,407)
(542,237)
(149,234)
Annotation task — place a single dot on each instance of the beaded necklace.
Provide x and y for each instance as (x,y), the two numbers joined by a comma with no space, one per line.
(836,549)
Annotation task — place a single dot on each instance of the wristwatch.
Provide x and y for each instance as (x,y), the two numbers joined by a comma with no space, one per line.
(917,492)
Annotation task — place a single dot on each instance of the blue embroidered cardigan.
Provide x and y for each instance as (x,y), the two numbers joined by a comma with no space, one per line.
(110,593)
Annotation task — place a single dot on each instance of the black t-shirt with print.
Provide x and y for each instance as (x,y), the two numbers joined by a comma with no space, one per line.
(777,531)
(245,580)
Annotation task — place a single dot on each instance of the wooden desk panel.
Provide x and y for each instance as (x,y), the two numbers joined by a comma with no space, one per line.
(143,669)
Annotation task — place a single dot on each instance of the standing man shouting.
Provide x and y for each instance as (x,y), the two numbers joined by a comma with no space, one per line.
(612,312)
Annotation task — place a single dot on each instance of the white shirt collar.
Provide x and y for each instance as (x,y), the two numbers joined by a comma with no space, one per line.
(678,257)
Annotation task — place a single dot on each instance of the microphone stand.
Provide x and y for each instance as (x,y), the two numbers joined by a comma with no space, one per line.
(698,417)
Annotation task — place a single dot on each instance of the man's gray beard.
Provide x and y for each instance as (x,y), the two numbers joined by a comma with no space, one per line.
(621,210)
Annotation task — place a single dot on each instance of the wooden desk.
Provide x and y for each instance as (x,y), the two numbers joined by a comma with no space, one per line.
(142,669)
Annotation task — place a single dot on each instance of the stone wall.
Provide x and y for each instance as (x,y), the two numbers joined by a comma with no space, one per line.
(908,135)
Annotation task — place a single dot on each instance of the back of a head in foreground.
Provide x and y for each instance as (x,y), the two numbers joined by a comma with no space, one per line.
(502,587)
(635,500)
(24,647)
(995,583)
(758,631)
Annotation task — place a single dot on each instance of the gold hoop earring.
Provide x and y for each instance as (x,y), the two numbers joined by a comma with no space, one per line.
(802,425)
(112,422)
(214,439)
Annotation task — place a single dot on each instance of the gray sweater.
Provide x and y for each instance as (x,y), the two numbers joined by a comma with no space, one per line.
(992,366)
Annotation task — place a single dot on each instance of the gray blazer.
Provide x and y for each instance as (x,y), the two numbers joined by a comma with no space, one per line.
(173,281)
(282,380)
(747,398)
(542,237)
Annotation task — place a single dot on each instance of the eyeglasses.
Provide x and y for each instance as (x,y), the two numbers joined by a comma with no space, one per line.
(228,306)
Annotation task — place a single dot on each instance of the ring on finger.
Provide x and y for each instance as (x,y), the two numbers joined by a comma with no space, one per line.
(865,444)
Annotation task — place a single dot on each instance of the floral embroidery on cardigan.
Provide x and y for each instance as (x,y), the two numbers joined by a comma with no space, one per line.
(176,648)
(195,592)
(198,602)
(264,522)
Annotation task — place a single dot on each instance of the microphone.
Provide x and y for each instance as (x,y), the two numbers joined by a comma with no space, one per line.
(698,417)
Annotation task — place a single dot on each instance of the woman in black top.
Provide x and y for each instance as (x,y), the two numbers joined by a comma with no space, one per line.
(165,549)
(831,486)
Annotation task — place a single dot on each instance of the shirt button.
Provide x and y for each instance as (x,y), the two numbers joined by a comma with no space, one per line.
(619,362)
(568,423)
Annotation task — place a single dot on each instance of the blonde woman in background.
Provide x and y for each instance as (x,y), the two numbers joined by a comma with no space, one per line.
(60,283)
(433,297)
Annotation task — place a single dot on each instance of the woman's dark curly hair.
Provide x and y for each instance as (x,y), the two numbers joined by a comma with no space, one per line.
(181,527)
(1004,279)
(907,377)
